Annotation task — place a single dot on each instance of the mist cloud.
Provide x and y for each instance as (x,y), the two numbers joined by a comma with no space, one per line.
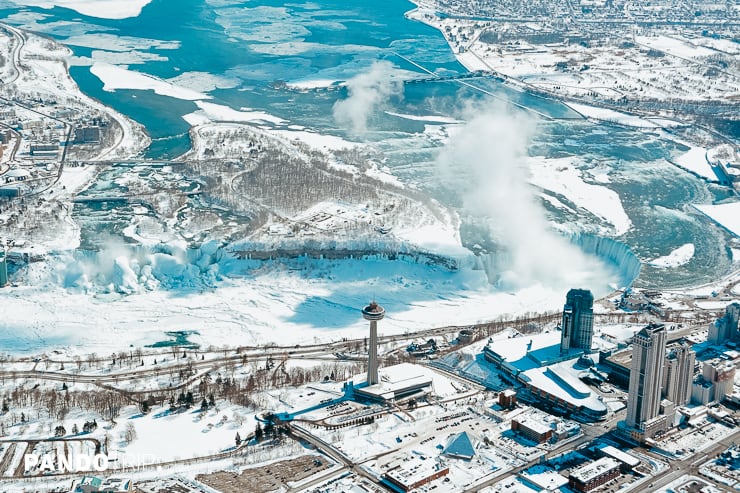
(487,157)
(367,92)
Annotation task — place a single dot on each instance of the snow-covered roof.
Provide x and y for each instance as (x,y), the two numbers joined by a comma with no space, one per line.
(397,379)
(545,481)
(413,470)
(17,173)
(617,454)
(535,425)
(594,469)
(527,352)
(561,381)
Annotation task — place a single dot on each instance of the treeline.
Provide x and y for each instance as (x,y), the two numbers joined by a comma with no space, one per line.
(245,391)
(56,404)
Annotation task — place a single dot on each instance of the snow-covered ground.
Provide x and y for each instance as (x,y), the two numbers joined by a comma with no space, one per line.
(607,115)
(105,9)
(44,68)
(283,302)
(190,433)
(661,64)
(696,440)
(726,215)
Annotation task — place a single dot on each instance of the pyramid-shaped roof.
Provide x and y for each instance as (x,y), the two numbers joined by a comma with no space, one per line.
(460,446)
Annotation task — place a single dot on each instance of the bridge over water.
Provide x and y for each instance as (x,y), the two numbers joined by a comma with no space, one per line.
(453,78)
(138,198)
(158,163)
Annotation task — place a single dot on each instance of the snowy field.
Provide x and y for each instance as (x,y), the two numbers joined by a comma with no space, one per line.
(191,433)
(105,9)
(286,303)
(726,215)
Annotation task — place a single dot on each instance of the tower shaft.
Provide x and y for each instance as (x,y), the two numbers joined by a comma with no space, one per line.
(372,363)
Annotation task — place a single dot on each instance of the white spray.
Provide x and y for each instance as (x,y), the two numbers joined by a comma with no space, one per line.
(489,154)
(367,92)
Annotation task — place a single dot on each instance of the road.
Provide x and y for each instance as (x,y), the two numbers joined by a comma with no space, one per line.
(15,56)
(17,65)
(691,464)
(331,451)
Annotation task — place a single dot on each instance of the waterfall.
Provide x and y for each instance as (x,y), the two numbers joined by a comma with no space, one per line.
(614,253)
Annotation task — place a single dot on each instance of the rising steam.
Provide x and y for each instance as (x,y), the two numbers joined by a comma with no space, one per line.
(367,92)
(488,156)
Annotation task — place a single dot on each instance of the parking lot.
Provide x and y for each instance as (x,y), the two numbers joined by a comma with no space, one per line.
(265,478)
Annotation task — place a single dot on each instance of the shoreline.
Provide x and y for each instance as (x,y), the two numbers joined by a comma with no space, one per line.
(39,68)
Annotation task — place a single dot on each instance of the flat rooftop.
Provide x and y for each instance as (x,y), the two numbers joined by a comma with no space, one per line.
(413,470)
(533,424)
(622,457)
(594,469)
(622,358)
(395,380)
(527,351)
(547,481)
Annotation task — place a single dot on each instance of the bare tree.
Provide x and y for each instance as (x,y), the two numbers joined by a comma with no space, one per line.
(129,433)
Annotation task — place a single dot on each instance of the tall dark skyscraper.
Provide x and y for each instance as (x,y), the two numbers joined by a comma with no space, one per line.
(578,321)
(726,328)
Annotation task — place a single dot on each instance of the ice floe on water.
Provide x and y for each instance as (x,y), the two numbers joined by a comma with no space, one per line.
(562,177)
(115,77)
(695,161)
(113,42)
(678,257)
(726,215)
(204,82)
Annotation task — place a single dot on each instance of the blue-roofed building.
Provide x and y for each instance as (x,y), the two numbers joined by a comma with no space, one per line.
(460,447)
(92,484)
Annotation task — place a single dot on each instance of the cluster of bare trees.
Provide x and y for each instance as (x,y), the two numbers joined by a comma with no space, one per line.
(265,174)
(273,375)
(27,218)
(281,181)
(56,404)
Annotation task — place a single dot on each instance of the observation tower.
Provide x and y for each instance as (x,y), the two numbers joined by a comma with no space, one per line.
(373,312)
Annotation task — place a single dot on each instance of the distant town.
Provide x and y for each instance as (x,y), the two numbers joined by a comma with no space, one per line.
(668,65)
